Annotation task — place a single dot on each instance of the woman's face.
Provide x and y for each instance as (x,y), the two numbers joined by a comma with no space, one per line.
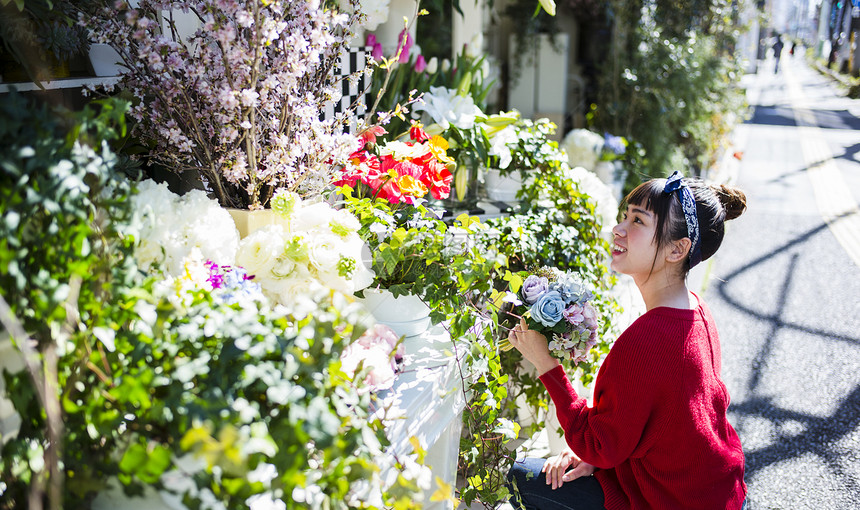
(634,245)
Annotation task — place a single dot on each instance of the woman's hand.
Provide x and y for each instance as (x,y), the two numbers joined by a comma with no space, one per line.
(556,468)
(533,346)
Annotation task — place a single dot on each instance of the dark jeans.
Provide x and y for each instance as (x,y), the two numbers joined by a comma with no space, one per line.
(584,493)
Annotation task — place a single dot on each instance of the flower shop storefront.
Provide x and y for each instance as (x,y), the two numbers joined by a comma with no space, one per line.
(161,348)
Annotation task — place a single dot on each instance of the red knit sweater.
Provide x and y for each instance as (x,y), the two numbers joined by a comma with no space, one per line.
(658,427)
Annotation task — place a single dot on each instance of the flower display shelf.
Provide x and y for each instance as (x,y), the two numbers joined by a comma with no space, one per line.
(426,402)
(484,210)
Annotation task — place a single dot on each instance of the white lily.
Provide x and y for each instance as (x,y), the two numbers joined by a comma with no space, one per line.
(446,107)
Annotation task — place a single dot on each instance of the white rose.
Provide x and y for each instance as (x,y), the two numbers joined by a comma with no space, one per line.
(323,252)
(259,252)
(311,216)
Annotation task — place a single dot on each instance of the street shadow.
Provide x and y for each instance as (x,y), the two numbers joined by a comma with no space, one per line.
(773,115)
(835,119)
(819,434)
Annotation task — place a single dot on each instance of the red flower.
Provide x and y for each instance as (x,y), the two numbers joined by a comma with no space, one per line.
(369,135)
(416,132)
(438,179)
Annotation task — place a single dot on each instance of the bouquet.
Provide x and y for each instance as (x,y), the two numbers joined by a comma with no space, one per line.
(402,172)
(556,304)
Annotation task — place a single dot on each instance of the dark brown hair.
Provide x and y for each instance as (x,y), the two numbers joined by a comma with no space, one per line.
(715,204)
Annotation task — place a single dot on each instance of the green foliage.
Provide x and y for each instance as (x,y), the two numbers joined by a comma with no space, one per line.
(159,387)
(669,83)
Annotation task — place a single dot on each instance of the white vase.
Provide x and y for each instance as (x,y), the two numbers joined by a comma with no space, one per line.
(406,315)
(105,60)
(502,188)
(10,361)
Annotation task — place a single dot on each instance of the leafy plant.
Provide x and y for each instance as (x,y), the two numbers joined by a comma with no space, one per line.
(669,83)
(40,34)
(164,391)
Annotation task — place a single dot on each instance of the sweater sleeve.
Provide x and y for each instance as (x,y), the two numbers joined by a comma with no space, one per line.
(624,421)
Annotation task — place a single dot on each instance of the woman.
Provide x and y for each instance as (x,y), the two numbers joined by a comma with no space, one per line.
(657,435)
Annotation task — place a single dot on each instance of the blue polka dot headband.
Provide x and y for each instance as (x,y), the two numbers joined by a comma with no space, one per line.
(688,205)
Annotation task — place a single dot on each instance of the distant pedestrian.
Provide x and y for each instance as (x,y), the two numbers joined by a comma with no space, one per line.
(656,435)
(777,52)
(793,47)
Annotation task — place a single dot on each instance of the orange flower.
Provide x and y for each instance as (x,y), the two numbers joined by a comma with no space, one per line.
(411,186)
(438,146)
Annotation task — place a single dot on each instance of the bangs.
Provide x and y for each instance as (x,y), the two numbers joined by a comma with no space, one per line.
(646,195)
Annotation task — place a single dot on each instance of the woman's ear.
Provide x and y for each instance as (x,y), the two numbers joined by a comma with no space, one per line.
(679,250)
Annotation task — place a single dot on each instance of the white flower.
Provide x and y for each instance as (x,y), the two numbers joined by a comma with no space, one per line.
(324,253)
(474,48)
(445,107)
(499,145)
(258,253)
(583,148)
(591,185)
(401,151)
(265,501)
(312,216)
(173,226)
(432,66)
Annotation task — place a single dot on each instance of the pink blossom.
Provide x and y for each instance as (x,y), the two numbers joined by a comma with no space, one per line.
(420,64)
(403,47)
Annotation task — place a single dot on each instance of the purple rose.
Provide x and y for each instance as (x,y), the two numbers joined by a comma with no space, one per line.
(533,287)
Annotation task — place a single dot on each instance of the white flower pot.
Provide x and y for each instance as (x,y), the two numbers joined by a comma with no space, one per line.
(105,60)
(502,188)
(12,362)
(406,315)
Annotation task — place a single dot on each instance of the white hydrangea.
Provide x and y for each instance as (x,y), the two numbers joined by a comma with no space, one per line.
(583,148)
(604,198)
(172,226)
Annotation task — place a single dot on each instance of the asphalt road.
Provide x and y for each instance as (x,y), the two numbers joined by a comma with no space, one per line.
(785,291)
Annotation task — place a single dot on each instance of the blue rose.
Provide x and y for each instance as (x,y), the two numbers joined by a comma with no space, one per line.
(533,287)
(548,309)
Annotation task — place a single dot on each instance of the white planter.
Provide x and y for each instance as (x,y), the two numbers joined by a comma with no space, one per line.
(12,362)
(502,188)
(406,315)
(105,60)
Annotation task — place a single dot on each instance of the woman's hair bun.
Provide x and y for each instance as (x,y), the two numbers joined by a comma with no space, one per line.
(733,199)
